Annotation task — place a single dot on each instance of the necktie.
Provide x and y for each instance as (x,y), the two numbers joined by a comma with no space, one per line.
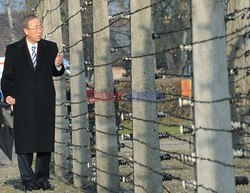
(33,55)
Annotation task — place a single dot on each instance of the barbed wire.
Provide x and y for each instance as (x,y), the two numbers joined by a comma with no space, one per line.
(172,153)
(154,148)
(36,7)
(49,11)
(159,52)
(242,12)
(82,8)
(207,128)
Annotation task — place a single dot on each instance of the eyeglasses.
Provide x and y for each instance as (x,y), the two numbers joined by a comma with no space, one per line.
(40,28)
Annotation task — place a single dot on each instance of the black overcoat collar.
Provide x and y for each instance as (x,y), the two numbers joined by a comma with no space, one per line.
(41,53)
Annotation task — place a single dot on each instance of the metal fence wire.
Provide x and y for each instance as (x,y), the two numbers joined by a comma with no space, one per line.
(157,143)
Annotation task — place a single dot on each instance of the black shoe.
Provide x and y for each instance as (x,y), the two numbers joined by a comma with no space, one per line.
(44,184)
(29,187)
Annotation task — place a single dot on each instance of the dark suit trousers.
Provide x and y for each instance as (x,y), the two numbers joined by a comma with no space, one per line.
(41,168)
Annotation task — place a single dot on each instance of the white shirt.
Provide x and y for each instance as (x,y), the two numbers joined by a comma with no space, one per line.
(30,45)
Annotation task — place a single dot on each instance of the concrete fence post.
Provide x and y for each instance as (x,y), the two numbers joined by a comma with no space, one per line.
(214,164)
(146,148)
(106,137)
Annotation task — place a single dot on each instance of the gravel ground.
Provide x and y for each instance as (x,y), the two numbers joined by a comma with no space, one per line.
(187,173)
(10,180)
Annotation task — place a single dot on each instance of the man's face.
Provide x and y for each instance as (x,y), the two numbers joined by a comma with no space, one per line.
(34,31)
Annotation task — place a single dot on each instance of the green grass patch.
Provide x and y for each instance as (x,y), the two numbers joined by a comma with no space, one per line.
(171,130)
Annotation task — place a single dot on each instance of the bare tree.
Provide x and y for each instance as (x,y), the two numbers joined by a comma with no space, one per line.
(10,19)
(170,19)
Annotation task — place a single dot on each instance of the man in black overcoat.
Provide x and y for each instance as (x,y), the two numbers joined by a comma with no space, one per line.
(27,84)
